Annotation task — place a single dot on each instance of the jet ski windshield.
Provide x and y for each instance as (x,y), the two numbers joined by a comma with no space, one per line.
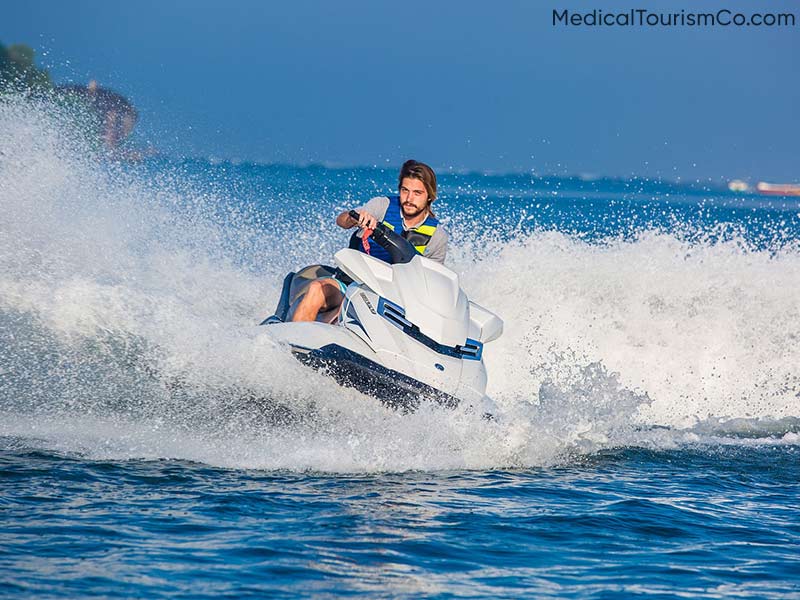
(400,249)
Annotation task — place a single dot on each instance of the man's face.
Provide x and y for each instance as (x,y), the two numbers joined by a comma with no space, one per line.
(413,197)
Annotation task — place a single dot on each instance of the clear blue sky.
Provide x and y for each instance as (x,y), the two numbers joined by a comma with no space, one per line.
(468,85)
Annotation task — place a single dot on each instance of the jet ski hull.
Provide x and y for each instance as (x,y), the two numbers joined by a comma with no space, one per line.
(350,369)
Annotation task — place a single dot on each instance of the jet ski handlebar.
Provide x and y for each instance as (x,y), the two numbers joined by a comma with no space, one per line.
(400,249)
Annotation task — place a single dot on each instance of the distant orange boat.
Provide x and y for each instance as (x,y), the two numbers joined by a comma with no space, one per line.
(779,189)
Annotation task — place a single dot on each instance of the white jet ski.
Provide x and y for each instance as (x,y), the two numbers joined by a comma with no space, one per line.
(405,332)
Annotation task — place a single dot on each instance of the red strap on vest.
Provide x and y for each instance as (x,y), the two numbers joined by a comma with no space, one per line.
(365,240)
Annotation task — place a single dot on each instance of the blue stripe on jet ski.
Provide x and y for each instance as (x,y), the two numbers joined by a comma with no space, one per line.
(396,315)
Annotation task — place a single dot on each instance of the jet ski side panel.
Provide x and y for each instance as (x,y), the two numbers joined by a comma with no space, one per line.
(393,348)
(375,274)
(313,335)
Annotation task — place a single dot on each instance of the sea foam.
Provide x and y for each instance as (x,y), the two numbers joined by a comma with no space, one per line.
(128,299)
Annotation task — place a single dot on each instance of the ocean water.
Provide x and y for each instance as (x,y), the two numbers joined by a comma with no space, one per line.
(647,432)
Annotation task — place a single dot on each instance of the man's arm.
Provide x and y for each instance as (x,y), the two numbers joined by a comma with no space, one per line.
(345,221)
(369,214)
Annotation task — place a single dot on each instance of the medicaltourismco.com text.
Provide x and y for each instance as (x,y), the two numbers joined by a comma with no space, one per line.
(642,17)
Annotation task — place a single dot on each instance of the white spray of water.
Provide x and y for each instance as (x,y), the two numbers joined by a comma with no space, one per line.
(126,313)
(704,329)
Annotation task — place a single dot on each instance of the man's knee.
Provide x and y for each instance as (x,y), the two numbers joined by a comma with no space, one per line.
(316,293)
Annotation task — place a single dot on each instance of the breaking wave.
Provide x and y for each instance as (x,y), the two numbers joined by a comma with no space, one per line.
(128,296)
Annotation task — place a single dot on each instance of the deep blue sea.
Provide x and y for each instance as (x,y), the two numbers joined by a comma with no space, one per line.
(646,440)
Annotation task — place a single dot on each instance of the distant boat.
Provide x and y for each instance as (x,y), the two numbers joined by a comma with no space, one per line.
(737,185)
(779,189)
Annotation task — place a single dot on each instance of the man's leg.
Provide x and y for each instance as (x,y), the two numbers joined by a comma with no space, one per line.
(322,295)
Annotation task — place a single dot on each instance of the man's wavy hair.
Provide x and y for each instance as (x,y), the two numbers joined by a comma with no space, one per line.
(421,171)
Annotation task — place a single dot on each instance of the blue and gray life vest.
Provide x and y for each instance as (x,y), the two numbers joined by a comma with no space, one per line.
(419,236)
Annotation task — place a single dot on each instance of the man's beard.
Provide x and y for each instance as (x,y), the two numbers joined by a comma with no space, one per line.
(416,213)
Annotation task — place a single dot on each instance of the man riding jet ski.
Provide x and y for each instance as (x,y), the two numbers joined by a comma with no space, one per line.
(397,326)
(410,214)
